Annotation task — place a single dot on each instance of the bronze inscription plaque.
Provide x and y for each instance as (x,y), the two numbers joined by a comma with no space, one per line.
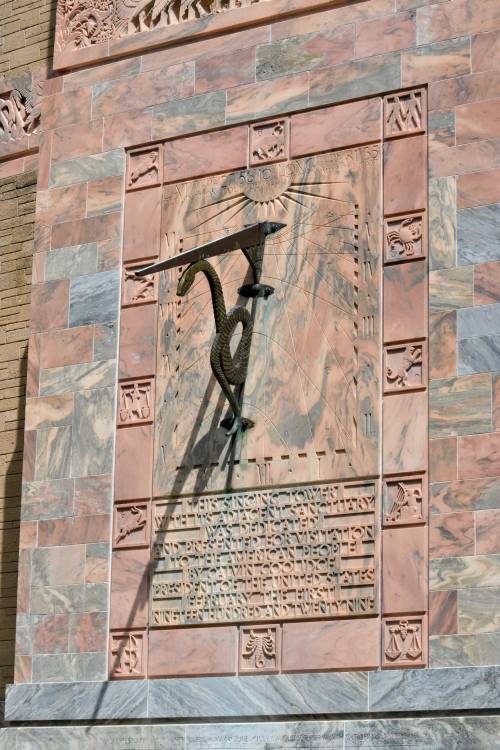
(281,554)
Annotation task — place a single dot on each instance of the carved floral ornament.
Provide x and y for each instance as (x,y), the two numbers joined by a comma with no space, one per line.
(82,23)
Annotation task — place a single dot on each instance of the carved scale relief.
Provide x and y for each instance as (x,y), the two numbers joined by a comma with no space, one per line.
(82,23)
(19,114)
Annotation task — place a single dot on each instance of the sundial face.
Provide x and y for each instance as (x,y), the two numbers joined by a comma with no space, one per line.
(313,376)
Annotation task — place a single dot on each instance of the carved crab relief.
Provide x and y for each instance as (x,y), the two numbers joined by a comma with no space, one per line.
(131,525)
(127,655)
(404,367)
(136,402)
(404,113)
(405,502)
(144,168)
(404,238)
(268,142)
(403,642)
(259,649)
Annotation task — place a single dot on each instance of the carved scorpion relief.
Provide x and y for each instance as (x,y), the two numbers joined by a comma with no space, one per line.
(404,501)
(131,525)
(268,142)
(259,649)
(403,642)
(144,168)
(404,238)
(127,657)
(405,113)
(136,402)
(404,367)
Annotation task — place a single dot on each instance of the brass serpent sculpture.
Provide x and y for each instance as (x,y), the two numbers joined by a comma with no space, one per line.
(229,369)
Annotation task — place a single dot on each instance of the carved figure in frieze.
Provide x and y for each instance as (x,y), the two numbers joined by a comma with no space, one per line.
(135,402)
(82,23)
(130,520)
(191,9)
(405,496)
(402,240)
(144,164)
(405,643)
(412,356)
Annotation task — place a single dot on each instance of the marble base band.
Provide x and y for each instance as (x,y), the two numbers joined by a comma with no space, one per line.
(253,697)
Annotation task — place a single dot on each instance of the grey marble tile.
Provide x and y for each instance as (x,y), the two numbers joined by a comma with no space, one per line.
(482,649)
(47,499)
(434,689)
(464,572)
(77,701)
(48,600)
(53,453)
(477,238)
(287,735)
(72,378)
(479,610)
(128,737)
(89,666)
(355,79)
(85,168)
(106,341)
(442,126)
(442,222)
(453,733)
(96,597)
(58,566)
(66,262)
(93,431)
(258,696)
(451,288)
(94,298)
(478,354)
(460,406)
(200,112)
(483,321)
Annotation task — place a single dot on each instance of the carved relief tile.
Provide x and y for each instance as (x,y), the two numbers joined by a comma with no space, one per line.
(404,238)
(144,168)
(268,142)
(136,402)
(19,113)
(404,367)
(405,113)
(260,649)
(404,642)
(138,290)
(405,500)
(131,525)
(127,655)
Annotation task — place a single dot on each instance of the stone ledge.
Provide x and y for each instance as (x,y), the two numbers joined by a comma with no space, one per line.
(327,693)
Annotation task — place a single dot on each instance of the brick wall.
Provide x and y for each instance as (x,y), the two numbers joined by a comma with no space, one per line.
(27,35)
(17,216)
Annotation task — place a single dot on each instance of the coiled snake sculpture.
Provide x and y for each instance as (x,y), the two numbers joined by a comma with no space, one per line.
(229,369)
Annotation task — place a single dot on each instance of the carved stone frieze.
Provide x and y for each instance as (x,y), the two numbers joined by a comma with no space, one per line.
(404,501)
(82,23)
(136,402)
(138,290)
(405,113)
(131,525)
(404,367)
(259,649)
(404,641)
(404,238)
(144,167)
(268,142)
(19,114)
(127,655)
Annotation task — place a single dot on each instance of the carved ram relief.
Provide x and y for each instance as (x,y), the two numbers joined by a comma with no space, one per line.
(82,23)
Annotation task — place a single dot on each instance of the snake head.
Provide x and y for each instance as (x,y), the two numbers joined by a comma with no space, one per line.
(185,282)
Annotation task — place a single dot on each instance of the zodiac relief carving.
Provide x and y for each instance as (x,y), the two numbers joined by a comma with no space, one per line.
(144,168)
(82,23)
(403,641)
(268,142)
(135,402)
(403,366)
(129,520)
(403,501)
(404,238)
(127,650)
(19,115)
(404,113)
(137,290)
(259,649)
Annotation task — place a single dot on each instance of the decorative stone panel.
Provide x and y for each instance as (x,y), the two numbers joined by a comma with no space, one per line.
(404,642)
(405,113)
(127,655)
(131,525)
(260,649)
(269,142)
(405,500)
